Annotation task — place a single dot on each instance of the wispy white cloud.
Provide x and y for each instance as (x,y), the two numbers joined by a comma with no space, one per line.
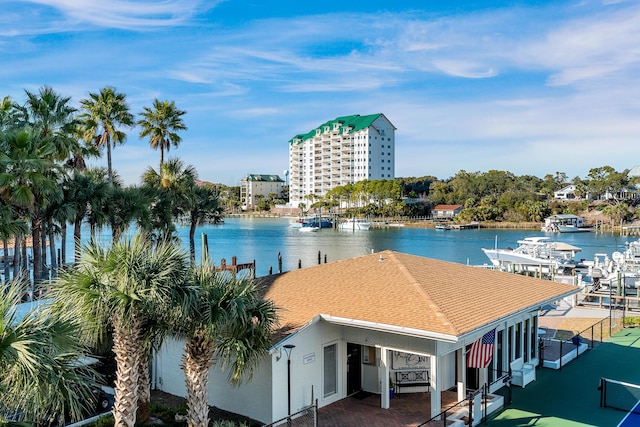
(64,15)
(518,88)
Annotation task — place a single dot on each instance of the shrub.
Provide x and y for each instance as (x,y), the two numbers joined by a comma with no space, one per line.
(632,321)
(226,423)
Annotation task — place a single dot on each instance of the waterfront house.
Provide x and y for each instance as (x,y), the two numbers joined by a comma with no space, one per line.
(351,325)
(566,193)
(445,211)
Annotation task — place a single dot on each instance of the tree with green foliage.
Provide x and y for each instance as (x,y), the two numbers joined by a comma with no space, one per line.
(42,382)
(120,287)
(161,124)
(203,205)
(225,323)
(169,189)
(104,113)
(26,181)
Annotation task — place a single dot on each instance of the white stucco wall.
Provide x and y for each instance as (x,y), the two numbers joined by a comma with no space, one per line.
(252,399)
(265,397)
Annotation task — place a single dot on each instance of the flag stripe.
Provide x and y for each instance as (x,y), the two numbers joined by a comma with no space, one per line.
(481,351)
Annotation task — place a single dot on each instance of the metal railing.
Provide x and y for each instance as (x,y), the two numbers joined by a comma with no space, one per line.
(305,417)
(463,410)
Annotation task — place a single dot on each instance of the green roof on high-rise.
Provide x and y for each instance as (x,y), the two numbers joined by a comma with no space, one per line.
(355,122)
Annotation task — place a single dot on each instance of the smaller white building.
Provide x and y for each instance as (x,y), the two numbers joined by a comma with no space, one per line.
(361,323)
(567,193)
(256,185)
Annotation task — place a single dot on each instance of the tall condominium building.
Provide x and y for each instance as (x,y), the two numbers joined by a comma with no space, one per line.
(339,152)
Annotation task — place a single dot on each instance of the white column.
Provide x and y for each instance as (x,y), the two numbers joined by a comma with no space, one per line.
(384,383)
(435,385)
(461,367)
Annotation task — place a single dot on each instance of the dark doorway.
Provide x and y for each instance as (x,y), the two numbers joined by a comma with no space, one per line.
(473,374)
(473,378)
(354,368)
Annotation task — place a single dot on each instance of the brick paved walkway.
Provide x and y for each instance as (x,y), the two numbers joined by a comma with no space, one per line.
(407,410)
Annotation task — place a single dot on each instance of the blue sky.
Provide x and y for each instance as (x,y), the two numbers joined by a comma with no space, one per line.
(533,87)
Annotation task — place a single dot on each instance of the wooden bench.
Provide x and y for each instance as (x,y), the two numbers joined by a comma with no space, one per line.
(418,378)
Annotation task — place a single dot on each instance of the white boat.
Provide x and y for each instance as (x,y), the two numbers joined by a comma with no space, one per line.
(534,254)
(355,224)
(442,227)
(306,228)
(564,223)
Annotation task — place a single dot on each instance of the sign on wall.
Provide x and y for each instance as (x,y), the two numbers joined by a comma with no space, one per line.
(401,360)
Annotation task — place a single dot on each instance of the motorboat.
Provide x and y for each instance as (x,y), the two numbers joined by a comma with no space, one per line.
(564,223)
(308,227)
(534,254)
(317,221)
(355,224)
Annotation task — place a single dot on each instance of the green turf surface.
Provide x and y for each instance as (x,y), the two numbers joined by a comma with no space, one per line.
(570,397)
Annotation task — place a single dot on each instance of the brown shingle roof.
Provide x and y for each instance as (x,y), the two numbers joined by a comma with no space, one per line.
(406,291)
(446,207)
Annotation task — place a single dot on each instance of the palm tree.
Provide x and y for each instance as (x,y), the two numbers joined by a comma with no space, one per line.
(26,181)
(226,324)
(38,361)
(103,114)
(113,288)
(203,206)
(52,121)
(8,114)
(170,189)
(83,192)
(124,206)
(10,226)
(161,124)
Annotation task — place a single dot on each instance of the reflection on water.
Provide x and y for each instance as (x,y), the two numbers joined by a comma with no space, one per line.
(261,239)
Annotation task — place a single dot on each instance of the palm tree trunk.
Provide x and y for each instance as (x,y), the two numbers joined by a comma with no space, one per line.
(5,261)
(77,239)
(16,254)
(36,223)
(128,352)
(63,242)
(197,360)
(109,172)
(144,392)
(192,242)
(43,249)
(52,247)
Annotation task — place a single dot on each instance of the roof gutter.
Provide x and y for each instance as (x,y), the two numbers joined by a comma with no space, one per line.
(388,328)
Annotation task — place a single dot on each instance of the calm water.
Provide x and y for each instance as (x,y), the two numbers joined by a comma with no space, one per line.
(261,239)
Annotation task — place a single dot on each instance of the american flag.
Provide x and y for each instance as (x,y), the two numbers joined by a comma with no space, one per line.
(481,351)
